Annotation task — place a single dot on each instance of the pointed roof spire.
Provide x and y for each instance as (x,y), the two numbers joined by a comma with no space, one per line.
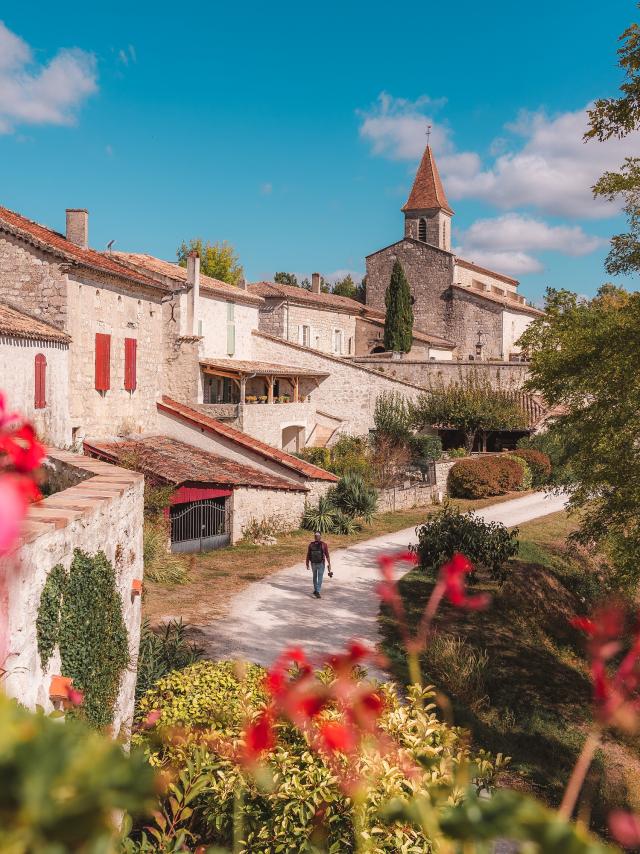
(427,191)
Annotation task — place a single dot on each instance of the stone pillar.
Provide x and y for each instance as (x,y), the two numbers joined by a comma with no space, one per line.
(243,389)
(315,283)
(270,381)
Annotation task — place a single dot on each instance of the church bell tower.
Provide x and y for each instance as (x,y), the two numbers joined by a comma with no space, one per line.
(427,215)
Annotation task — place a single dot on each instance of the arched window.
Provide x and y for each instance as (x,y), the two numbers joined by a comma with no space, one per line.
(422,230)
(40,396)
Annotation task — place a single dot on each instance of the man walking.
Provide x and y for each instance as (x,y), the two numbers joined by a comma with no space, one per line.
(317,554)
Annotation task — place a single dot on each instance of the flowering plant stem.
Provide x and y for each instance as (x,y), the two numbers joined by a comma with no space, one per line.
(576,781)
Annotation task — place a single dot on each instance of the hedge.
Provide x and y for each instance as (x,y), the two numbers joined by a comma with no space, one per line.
(538,462)
(482,477)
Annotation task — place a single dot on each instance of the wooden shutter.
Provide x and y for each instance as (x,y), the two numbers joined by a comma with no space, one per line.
(130,363)
(103,362)
(231,339)
(40,381)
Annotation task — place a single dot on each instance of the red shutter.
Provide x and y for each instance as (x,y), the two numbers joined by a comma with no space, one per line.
(40,381)
(103,362)
(130,356)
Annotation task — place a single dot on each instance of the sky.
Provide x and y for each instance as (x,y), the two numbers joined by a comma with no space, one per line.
(294,131)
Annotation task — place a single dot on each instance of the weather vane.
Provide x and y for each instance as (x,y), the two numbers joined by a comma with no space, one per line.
(428,133)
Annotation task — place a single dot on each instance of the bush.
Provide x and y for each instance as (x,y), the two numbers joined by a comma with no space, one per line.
(350,454)
(474,478)
(392,417)
(456,665)
(354,498)
(486,544)
(163,651)
(316,456)
(456,453)
(304,807)
(509,472)
(257,530)
(552,445)
(424,450)
(526,480)
(321,517)
(538,462)
(160,565)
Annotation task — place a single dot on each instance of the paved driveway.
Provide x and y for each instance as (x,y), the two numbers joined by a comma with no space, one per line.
(280,611)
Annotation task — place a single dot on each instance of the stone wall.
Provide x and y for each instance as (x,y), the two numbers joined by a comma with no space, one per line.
(429,271)
(509,375)
(401,498)
(465,276)
(349,392)
(266,421)
(277,317)
(260,504)
(513,325)
(17,381)
(32,281)
(103,512)
(442,469)
(468,314)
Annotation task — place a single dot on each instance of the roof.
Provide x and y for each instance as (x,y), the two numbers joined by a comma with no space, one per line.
(174,271)
(19,325)
(378,318)
(505,302)
(334,302)
(246,441)
(469,265)
(427,191)
(265,368)
(177,462)
(56,243)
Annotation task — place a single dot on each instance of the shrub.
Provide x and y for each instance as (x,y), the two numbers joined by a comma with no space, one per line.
(392,417)
(350,454)
(456,453)
(456,665)
(316,456)
(160,565)
(354,498)
(551,444)
(526,480)
(270,526)
(509,472)
(389,462)
(474,478)
(161,652)
(424,450)
(303,808)
(320,517)
(486,544)
(538,462)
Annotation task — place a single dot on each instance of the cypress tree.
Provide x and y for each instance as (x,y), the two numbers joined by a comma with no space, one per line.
(398,324)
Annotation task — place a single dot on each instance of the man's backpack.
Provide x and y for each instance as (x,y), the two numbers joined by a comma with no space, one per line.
(316,552)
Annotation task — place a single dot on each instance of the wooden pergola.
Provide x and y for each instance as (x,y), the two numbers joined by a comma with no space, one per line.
(239,372)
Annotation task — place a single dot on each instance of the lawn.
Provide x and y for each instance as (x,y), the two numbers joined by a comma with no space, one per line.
(215,577)
(516,674)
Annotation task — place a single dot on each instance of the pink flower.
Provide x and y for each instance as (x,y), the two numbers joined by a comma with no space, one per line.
(13,507)
(22,447)
(152,718)
(625,828)
(455,587)
(75,697)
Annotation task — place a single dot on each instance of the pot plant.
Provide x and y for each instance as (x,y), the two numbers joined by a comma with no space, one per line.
(262,398)
(250,398)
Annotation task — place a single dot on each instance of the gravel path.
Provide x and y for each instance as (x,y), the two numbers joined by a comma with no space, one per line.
(280,611)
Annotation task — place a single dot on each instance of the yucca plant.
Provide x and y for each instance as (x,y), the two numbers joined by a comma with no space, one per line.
(322,516)
(355,498)
(345,524)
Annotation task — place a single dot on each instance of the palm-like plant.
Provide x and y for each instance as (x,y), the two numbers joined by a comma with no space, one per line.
(355,498)
(322,516)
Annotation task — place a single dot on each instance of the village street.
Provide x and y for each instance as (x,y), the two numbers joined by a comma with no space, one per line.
(280,611)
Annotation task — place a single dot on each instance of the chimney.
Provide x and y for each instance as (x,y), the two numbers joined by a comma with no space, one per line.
(193,305)
(243,284)
(78,227)
(315,283)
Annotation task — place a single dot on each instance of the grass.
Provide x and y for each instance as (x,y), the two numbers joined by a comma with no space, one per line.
(213,578)
(531,697)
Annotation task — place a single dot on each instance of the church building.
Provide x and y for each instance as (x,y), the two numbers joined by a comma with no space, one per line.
(479,310)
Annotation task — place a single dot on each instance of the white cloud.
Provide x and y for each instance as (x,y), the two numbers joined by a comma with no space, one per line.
(41,94)
(505,242)
(544,164)
(337,275)
(267,188)
(127,55)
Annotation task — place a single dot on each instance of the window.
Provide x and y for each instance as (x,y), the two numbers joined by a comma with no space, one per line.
(130,363)
(304,335)
(337,341)
(40,397)
(422,230)
(103,362)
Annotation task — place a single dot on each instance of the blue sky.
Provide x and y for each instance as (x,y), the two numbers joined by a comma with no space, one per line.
(293,132)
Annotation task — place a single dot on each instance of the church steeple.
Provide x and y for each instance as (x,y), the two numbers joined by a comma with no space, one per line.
(427,212)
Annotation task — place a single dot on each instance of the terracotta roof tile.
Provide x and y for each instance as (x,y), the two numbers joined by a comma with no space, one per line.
(505,302)
(174,271)
(427,191)
(266,368)
(19,325)
(58,244)
(177,462)
(274,290)
(246,441)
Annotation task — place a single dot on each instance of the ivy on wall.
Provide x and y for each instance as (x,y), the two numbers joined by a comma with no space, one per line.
(81,612)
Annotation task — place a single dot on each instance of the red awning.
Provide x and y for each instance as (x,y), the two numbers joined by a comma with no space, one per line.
(184,494)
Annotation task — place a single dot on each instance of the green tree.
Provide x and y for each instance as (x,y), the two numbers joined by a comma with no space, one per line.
(584,357)
(398,324)
(286,279)
(392,417)
(217,260)
(617,117)
(472,406)
(361,291)
(345,287)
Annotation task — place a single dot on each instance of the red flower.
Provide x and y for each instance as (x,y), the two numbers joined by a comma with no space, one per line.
(7,418)
(452,574)
(75,697)
(625,828)
(152,718)
(15,493)
(258,737)
(22,447)
(336,736)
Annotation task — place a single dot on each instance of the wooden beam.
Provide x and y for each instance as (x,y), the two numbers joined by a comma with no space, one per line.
(296,390)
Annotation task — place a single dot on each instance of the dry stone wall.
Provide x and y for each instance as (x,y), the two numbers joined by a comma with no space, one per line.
(507,375)
(248,504)
(32,281)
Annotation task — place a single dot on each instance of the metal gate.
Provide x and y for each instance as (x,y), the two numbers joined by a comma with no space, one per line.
(200,526)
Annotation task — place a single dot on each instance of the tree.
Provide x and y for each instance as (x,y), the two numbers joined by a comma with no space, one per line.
(345,287)
(584,357)
(392,417)
(398,324)
(618,117)
(361,291)
(286,279)
(472,406)
(217,260)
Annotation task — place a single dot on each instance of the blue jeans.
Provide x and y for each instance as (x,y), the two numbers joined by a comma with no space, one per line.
(318,573)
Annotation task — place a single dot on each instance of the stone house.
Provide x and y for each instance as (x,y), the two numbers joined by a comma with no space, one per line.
(34,373)
(370,340)
(453,298)
(214,497)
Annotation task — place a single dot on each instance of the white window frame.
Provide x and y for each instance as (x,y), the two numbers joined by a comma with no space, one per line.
(338,335)
(304,335)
